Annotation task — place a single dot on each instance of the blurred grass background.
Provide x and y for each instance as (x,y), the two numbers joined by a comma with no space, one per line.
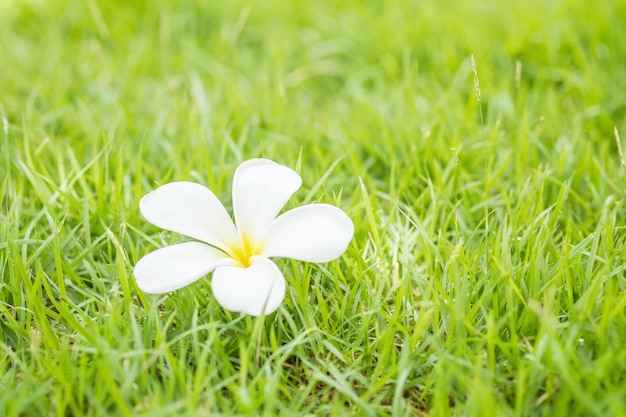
(486,274)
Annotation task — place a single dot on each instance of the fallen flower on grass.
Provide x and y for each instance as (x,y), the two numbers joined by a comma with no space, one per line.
(244,278)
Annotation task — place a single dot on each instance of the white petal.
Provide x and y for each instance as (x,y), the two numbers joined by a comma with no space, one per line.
(253,290)
(260,190)
(313,233)
(192,210)
(173,267)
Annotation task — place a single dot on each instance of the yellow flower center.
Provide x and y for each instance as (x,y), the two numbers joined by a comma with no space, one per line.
(245,251)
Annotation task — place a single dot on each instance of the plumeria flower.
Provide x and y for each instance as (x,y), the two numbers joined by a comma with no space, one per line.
(244,278)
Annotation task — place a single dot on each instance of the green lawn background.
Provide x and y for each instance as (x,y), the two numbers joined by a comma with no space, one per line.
(486,275)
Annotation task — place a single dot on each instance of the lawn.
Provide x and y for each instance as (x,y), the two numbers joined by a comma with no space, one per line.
(475,146)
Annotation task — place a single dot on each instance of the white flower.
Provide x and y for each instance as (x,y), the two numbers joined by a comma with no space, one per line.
(244,279)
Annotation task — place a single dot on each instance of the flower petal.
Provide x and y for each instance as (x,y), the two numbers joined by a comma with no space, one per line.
(173,267)
(192,210)
(312,233)
(260,190)
(253,290)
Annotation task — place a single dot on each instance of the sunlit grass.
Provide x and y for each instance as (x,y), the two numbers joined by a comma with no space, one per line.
(486,275)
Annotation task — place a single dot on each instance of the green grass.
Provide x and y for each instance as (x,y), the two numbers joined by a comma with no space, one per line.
(486,275)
